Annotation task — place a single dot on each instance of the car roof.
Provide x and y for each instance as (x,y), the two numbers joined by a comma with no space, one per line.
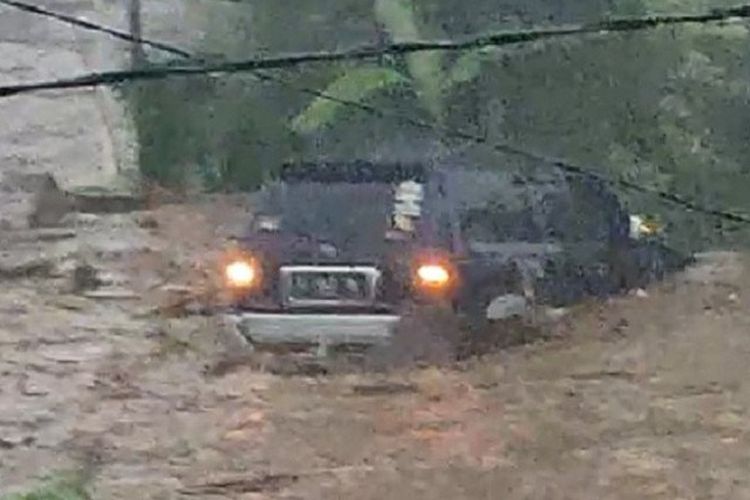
(469,184)
(353,172)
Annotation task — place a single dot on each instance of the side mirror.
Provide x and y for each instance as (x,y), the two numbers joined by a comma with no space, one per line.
(267,223)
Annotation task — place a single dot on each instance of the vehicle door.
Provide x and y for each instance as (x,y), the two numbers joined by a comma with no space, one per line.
(503,241)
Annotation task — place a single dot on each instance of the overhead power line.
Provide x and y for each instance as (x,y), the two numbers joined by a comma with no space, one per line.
(495,39)
(83,23)
(568,167)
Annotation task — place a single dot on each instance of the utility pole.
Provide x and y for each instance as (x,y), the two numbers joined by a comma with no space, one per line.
(137,54)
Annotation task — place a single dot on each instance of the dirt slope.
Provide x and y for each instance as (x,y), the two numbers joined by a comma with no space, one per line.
(642,397)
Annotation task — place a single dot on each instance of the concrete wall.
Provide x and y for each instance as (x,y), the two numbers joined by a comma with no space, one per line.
(82,137)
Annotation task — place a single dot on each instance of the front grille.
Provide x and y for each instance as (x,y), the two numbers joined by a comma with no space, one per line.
(314,286)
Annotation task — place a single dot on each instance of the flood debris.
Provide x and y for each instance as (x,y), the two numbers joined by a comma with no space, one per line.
(101,201)
(383,388)
(111,294)
(37,235)
(11,441)
(20,265)
(85,278)
(51,204)
(262,483)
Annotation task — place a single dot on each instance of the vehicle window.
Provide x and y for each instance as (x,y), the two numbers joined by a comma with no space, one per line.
(542,212)
(586,212)
(495,225)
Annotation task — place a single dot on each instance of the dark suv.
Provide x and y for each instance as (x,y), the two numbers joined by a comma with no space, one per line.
(338,251)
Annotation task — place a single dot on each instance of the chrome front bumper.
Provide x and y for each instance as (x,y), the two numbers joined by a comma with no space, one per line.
(326,329)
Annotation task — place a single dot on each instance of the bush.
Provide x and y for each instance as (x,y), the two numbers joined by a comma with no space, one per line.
(221,134)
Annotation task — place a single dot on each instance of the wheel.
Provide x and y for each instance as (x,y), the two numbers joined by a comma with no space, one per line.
(640,266)
(496,316)
(657,263)
(624,269)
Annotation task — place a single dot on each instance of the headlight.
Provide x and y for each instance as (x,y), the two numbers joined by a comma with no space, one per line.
(433,276)
(240,274)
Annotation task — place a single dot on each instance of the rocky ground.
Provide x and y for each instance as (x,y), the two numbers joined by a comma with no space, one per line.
(644,396)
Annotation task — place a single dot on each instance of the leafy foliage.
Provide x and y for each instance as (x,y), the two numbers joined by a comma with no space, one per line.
(69,486)
(353,85)
(213,133)
(468,66)
(426,68)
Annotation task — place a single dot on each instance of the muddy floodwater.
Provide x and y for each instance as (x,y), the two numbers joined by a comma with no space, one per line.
(642,396)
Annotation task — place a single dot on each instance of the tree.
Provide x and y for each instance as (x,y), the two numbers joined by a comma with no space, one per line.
(427,73)
(665,108)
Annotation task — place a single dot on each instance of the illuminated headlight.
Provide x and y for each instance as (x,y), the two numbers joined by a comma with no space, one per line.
(240,274)
(433,276)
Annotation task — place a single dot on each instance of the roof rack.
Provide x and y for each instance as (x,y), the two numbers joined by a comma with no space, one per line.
(355,172)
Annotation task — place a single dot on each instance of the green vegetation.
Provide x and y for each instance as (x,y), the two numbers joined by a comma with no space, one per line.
(665,108)
(66,486)
(201,130)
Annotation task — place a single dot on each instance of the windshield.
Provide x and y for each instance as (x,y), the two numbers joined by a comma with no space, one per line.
(340,212)
(345,202)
